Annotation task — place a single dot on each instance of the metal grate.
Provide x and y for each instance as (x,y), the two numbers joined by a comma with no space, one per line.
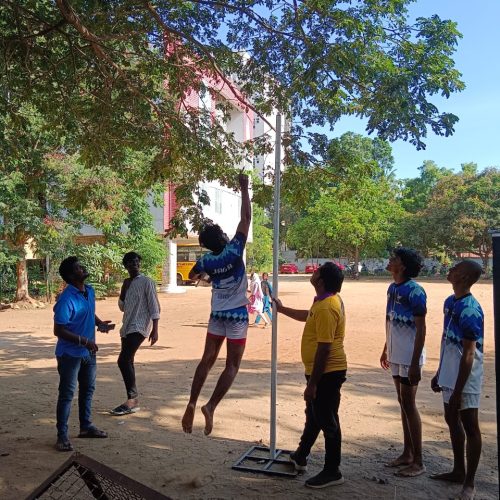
(82,478)
(259,459)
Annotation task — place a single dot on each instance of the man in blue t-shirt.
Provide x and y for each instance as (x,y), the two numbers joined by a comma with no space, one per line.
(404,352)
(460,374)
(74,326)
(229,317)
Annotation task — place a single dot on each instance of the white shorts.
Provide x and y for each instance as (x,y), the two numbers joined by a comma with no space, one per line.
(398,370)
(232,324)
(468,400)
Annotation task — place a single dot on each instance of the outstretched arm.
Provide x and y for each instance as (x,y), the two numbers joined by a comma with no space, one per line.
(297,314)
(246,208)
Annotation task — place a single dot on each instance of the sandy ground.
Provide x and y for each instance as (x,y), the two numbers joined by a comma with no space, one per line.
(150,445)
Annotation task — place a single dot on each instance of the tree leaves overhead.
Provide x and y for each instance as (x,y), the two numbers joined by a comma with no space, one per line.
(114,75)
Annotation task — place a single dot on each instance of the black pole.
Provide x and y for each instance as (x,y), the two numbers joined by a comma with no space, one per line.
(496,314)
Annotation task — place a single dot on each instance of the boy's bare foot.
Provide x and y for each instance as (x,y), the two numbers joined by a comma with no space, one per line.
(209,419)
(131,403)
(187,419)
(412,470)
(468,493)
(401,460)
(451,477)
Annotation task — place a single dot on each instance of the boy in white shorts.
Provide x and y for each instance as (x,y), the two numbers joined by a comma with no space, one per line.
(404,352)
(229,316)
(460,374)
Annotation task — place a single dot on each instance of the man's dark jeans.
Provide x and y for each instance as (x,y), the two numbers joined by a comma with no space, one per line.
(322,415)
(130,344)
(74,370)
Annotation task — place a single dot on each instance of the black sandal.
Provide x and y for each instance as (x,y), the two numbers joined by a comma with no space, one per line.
(93,432)
(63,446)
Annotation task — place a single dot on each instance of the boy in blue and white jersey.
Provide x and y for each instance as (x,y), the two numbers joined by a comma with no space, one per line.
(460,374)
(229,316)
(404,352)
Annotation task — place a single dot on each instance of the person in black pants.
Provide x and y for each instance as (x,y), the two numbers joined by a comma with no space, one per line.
(325,369)
(141,314)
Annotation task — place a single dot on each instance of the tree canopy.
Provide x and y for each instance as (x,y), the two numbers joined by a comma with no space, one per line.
(112,78)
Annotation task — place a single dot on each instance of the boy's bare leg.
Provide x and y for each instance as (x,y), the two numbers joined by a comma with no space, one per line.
(212,347)
(470,422)
(406,458)
(457,436)
(408,393)
(234,354)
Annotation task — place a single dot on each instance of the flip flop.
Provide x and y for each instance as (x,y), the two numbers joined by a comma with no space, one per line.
(93,432)
(123,410)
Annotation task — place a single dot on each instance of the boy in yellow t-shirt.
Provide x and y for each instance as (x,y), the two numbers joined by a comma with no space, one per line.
(325,369)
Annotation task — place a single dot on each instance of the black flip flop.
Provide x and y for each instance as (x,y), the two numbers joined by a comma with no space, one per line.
(123,410)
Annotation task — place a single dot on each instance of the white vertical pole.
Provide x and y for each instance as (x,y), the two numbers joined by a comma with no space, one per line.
(276,249)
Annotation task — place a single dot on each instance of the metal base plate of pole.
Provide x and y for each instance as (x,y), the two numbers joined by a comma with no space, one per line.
(259,459)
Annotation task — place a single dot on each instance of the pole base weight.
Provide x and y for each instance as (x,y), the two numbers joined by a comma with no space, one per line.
(258,459)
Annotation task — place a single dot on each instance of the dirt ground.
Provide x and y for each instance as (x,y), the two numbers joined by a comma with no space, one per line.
(150,445)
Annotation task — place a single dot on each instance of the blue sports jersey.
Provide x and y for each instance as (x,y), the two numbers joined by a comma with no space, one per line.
(463,319)
(227,273)
(77,313)
(405,301)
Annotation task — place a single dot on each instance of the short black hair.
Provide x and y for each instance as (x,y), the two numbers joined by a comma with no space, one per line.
(332,277)
(411,259)
(212,237)
(66,268)
(130,256)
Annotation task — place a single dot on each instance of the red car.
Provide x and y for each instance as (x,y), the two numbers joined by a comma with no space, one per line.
(311,268)
(289,268)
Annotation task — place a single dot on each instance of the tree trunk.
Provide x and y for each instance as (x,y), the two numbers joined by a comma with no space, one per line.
(486,261)
(356,262)
(22,282)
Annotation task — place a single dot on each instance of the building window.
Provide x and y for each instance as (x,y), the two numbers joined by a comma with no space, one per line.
(218,201)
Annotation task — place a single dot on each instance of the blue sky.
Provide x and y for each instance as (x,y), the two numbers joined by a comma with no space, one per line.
(476,136)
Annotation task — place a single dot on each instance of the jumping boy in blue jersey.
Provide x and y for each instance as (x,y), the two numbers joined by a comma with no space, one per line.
(460,374)
(404,352)
(229,317)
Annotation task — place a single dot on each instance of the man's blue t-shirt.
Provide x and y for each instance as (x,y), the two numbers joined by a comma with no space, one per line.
(77,313)
(405,301)
(463,319)
(227,272)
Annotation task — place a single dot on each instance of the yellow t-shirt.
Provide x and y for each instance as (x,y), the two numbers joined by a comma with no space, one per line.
(325,323)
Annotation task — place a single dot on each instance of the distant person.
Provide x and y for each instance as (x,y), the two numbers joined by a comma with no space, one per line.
(256,305)
(325,371)
(141,313)
(267,292)
(404,352)
(460,374)
(229,317)
(74,326)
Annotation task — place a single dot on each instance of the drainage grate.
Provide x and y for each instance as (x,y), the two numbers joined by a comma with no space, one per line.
(83,478)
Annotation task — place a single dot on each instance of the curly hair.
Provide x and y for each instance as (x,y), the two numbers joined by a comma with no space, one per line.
(212,237)
(411,259)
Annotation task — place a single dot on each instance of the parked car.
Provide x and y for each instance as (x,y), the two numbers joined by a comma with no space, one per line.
(339,265)
(289,268)
(311,268)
